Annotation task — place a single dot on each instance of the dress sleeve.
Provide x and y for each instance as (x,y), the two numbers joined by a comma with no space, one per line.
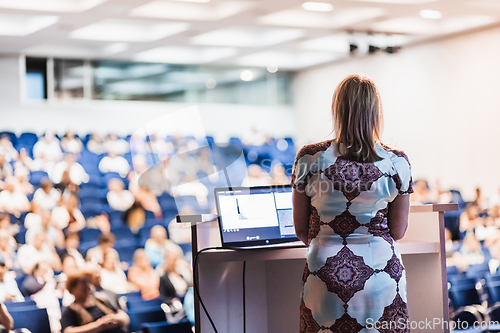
(404,181)
(300,169)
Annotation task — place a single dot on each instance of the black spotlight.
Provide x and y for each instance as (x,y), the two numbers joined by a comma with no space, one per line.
(392,49)
(352,48)
(373,49)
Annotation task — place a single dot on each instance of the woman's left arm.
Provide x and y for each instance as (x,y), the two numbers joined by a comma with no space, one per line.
(301,212)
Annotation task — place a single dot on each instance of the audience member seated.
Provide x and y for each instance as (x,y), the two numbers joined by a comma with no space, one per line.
(137,144)
(158,245)
(254,138)
(8,285)
(47,196)
(144,196)
(68,215)
(48,148)
(180,233)
(192,186)
(36,251)
(470,219)
(143,276)
(40,285)
(160,146)
(24,162)
(5,168)
(278,174)
(106,242)
(8,250)
(41,219)
(256,177)
(23,185)
(12,200)
(421,192)
(113,278)
(176,277)
(119,198)
(76,172)
(96,144)
(10,229)
(5,320)
(34,282)
(114,163)
(99,291)
(89,313)
(71,244)
(71,144)
(115,145)
(7,149)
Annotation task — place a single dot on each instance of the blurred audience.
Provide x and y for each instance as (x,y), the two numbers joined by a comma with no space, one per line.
(114,163)
(158,245)
(75,170)
(70,143)
(46,196)
(118,197)
(143,276)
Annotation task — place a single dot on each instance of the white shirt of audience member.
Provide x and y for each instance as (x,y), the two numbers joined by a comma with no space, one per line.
(29,255)
(77,173)
(113,163)
(48,146)
(119,198)
(47,201)
(60,217)
(115,145)
(12,200)
(8,286)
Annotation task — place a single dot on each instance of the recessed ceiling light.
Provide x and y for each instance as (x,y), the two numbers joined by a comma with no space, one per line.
(128,30)
(318,6)
(272,68)
(431,14)
(22,25)
(247,36)
(185,55)
(246,75)
(68,6)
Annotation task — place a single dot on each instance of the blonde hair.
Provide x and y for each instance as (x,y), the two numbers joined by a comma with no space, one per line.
(358,119)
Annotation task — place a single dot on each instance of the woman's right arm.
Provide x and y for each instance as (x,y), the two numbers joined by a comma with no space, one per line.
(100,325)
(397,218)
(301,212)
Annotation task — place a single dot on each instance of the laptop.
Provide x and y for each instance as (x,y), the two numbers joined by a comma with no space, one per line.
(256,217)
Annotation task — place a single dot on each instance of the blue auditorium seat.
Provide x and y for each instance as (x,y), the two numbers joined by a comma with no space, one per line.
(184,327)
(138,303)
(89,234)
(28,304)
(27,139)
(493,291)
(92,209)
(126,253)
(12,137)
(36,177)
(123,232)
(31,318)
(462,295)
(142,316)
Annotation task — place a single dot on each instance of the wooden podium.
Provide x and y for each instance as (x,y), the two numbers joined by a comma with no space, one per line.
(274,277)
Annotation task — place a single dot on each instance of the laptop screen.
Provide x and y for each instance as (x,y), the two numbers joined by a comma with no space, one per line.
(250,216)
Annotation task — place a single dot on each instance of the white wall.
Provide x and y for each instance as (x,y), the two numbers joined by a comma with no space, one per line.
(441,105)
(124,117)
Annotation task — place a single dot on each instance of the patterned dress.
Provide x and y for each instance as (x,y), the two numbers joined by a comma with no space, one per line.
(354,279)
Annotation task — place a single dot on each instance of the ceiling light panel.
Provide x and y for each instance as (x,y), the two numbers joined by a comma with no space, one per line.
(70,6)
(247,36)
(421,26)
(296,17)
(286,60)
(185,55)
(128,30)
(22,25)
(403,2)
(191,11)
(318,6)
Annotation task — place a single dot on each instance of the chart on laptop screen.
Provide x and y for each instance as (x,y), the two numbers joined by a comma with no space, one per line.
(255,214)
